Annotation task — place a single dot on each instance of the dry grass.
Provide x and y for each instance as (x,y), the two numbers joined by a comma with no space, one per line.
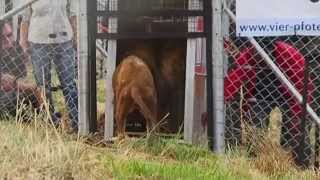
(265,155)
(35,150)
(271,158)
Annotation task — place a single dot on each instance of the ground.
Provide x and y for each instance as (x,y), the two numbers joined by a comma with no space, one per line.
(38,151)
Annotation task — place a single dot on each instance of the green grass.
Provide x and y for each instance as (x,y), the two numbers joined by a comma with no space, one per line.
(37,151)
(163,170)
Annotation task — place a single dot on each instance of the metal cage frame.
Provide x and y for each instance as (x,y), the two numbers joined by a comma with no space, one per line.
(93,35)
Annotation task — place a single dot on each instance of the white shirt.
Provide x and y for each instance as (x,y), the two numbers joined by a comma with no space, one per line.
(49,21)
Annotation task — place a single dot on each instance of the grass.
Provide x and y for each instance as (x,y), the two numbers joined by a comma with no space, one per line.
(37,151)
(162,170)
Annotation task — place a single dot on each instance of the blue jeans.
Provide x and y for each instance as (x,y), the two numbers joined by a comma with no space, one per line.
(62,55)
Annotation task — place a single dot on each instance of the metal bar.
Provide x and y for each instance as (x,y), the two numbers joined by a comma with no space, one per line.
(109,107)
(317,147)
(1,50)
(92,98)
(208,25)
(150,13)
(218,77)
(83,86)
(154,35)
(2,7)
(16,10)
(303,123)
(110,67)
(278,72)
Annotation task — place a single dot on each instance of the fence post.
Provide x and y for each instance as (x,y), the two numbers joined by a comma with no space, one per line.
(110,67)
(92,31)
(317,147)
(2,11)
(82,24)
(218,77)
(190,131)
(302,160)
(1,50)
(2,7)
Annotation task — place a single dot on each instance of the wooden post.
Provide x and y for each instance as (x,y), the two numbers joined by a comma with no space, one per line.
(111,65)
(189,91)
(195,84)
(199,124)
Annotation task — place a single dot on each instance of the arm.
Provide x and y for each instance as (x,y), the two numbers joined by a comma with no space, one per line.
(24,35)
(72,5)
(24,29)
(73,22)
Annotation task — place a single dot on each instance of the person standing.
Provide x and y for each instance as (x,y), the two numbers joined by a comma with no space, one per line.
(48,34)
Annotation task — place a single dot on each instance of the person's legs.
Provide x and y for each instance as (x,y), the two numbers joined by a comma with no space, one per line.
(41,63)
(64,61)
(295,134)
(233,136)
(303,152)
(288,130)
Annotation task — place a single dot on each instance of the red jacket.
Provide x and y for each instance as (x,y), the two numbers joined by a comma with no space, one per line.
(290,61)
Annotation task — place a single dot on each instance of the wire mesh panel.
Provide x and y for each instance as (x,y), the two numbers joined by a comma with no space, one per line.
(39,55)
(139,17)
(256,98)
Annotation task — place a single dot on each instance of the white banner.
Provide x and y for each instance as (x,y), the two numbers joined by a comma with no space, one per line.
(278,17)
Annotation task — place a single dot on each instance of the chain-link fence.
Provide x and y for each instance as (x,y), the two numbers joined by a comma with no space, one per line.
(38,54)
(256,96)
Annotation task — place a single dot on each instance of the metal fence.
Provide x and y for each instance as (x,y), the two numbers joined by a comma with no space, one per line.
(257,96)
(46,62)
(256,93)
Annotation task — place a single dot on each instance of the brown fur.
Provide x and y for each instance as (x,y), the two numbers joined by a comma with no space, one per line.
(173,64)
(172,83)
(134,89)
(166,61)
(146,51)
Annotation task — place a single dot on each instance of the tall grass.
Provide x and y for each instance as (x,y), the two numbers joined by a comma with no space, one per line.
(33,149)
(36,150)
